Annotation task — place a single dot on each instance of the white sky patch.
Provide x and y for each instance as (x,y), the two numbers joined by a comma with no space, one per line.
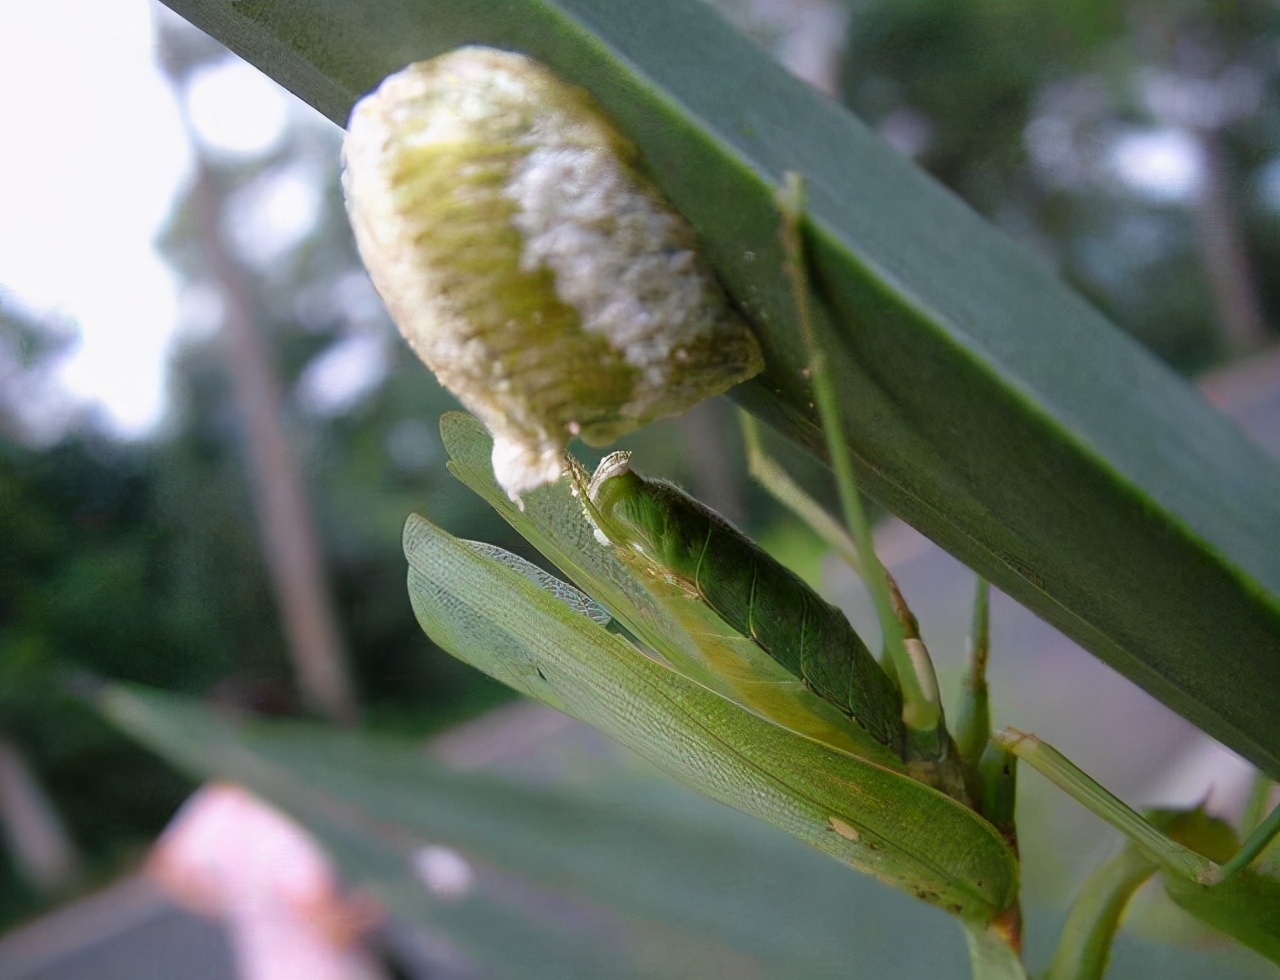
(93,152)
(267,218)
(235,109)
(202,311)
(347,372)
(1161,164)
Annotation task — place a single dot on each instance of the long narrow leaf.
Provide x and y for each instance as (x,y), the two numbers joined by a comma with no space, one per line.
(654,866)
(377,835)
(630,876)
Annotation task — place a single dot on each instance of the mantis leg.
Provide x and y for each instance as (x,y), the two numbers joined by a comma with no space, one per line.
(769,474)
(1260,837)
(990,770)
(1067,776)
(1238,897)
(1171,856)
(921,710)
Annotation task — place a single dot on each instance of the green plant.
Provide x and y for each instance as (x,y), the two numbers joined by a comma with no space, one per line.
(1145,561)
(715,711)
(1143,530)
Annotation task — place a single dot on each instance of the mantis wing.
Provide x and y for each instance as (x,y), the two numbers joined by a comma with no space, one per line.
(871,817)
(679,627)
(579,602)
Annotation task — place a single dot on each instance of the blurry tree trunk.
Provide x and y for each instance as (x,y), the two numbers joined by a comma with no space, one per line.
(284,515)
(708,429)
(40,847)
(1222,250)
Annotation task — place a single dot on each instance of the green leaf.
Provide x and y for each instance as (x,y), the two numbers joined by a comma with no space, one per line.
(1246,906)
(987,404)
(621,875)
(375,827)
(686,633)
(661,880)
(874,819)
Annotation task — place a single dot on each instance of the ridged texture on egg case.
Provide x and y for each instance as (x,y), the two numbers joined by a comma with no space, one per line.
(526,260)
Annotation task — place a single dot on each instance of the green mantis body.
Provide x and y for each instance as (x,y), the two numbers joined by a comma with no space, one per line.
(750,686)
(678,536)
(850,797)
(853,800)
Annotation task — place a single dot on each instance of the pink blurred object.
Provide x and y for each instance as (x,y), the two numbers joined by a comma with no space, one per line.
(230,856)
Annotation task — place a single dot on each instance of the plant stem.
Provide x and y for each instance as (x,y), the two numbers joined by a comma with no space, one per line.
(1085,944)
(766,470)
(991,957)
(921,706)
(1261,836)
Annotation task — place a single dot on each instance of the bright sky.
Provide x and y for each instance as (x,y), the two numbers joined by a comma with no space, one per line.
(93,154)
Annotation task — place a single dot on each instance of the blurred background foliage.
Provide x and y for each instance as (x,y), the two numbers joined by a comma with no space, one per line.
(1134,146)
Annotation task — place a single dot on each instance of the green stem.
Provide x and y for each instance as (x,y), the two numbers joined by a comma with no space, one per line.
(1256,806)
(1067,776)
(995,788)
(973,720)
(777,481)
(921,707)
(991,957)
(1261,836)
(1085,944)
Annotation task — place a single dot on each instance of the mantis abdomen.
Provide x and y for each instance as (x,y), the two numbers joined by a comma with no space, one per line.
(750,591)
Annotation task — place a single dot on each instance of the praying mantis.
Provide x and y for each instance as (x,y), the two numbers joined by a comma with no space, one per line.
(490,199)
(714,712)
(704,697)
